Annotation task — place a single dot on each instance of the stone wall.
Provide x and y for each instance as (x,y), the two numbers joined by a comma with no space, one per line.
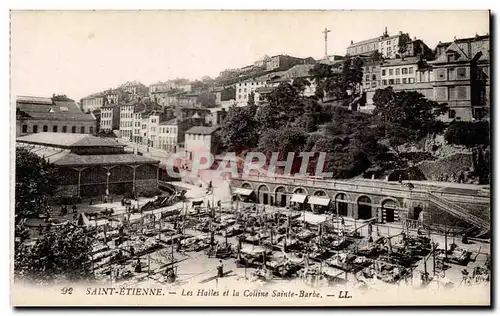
(145,187)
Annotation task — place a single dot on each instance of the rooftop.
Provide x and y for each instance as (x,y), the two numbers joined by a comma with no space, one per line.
(203,130)
(75,160)
(397,62)
(68,140)
(169,122)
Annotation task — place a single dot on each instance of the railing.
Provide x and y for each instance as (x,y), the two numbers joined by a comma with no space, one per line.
(458,211)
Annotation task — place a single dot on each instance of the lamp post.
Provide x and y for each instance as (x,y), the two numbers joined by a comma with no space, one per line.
(107,182)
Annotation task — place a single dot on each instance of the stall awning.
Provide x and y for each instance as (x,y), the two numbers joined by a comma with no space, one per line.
(298,198)
(318,200)
(244,192)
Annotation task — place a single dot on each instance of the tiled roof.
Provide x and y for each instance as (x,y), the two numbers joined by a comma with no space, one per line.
(30,99)
(169,122)
(203,130)
(68,140)
(397,62)
(60,116)
(74,159)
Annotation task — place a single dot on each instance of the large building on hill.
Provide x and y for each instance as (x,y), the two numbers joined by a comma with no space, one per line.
(58,114)
(89,166)
(459,77)
(384,44)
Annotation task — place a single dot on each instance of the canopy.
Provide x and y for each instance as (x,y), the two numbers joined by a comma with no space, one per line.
(317,200)
(299,198)
(244,192)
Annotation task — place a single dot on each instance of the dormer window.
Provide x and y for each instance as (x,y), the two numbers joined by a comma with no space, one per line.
(451,57)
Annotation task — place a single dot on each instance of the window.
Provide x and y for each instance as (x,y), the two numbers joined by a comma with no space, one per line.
(398,81)
(405,81)
(45,128)
(452,114)
(383,72)
(411,80)
(384,82)
(374,69)
(35,128)
(374,77)
(440,74)
(410,70)
(54,128)
(73,129)
(389,50)
(404,71)
(245,90)
(441,93)
(451,73)
(391,72)
(374,84)
(388,43)
(461,73)
(461,93)
(65,129)
(451,57)
(25,129)
(82,130)
(367,78)
(391,81)
(398,71)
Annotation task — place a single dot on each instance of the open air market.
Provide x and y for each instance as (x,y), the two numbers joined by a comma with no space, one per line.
(206,234)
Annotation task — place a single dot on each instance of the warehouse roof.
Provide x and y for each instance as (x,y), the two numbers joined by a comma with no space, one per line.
(76,160)
(68,140)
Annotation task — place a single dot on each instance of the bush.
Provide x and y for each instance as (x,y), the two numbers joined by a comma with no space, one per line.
(468,134)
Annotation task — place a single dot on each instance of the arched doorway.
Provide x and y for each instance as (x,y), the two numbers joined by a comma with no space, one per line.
(280,196)
(341,204)
(416,212)
(300,191)
(263,194)
(364,207)
(389,211)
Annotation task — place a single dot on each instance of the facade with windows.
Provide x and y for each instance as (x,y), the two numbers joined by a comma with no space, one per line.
(168,136)
(58,114)
(385,44)
(127,121)
(461,79)
(110,118)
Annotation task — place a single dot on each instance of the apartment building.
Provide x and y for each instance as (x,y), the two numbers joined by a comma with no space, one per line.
(168,136)
(126,126)
(109,118)
(462,78)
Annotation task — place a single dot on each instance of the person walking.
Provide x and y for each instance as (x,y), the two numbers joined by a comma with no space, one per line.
(220,269)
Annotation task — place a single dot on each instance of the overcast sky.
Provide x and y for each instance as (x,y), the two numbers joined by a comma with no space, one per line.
(81,52)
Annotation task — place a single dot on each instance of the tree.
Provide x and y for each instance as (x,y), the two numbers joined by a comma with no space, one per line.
(403,41)
(35,184)
(376,56)
(239,130)
(407,116)
(468,134)
(300,84)
(61,254)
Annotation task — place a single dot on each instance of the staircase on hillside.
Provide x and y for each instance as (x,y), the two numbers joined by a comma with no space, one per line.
(458,211)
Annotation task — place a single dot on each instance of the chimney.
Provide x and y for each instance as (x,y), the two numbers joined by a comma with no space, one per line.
(400,33)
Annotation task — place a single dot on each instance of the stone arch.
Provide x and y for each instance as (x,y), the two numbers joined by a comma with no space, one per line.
(321,193)
(342,204)
(246,185)
(263,194)
(365,209)
(280,196)
(390,212)
(300,190)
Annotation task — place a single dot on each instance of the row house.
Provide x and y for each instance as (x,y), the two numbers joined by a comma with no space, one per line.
(127,121)
(168,136)
(109,118)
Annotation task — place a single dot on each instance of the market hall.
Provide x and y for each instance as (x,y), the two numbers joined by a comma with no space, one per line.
(90,166)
